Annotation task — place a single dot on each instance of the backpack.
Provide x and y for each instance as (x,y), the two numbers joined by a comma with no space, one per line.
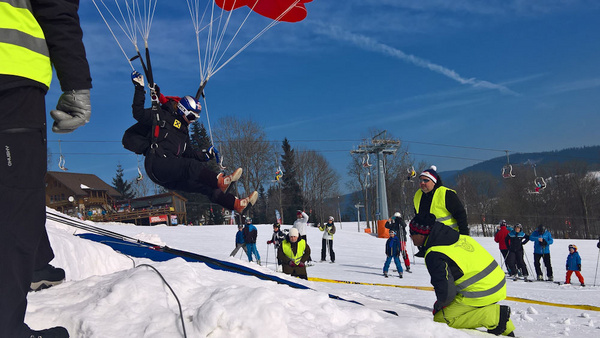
(137,138)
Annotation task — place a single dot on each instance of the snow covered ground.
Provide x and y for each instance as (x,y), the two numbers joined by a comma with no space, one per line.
(106,296)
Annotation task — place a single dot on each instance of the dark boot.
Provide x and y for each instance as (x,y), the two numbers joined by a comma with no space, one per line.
(46,277)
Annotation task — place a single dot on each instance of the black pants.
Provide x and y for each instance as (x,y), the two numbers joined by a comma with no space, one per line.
(327,243)
(25,245)
(187,174)
(538,268)
(515,262)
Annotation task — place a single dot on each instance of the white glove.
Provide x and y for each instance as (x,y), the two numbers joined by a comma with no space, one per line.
(73,110)
(137,78)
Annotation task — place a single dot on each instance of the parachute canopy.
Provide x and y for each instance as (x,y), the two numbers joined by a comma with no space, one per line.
(279,10)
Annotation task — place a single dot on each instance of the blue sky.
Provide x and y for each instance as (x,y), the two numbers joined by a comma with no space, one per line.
(458,82)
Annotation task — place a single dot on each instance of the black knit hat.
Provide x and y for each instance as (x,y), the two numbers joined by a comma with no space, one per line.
(422,224)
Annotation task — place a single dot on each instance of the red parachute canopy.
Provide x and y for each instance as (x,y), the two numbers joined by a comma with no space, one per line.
(272,9)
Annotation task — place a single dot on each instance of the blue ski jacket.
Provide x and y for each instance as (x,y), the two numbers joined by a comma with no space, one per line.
(544,246)
(239,237)
(392,246)
(574,261)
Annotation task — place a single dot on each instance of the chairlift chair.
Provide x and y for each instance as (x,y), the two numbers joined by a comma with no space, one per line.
(507,169)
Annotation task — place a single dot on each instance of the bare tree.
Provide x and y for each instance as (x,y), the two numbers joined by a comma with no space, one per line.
(243,144)
(318,182)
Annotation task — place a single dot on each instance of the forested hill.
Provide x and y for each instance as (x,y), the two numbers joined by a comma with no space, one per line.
(521,162)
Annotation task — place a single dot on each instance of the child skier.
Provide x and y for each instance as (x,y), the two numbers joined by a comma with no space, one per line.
(392,251)
(276,239)
(574,265)
(239,241)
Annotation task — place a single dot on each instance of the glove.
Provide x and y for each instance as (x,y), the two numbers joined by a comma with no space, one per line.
(437,307)
(137,78)
(210,153)
(301,264)
(544,243)
(269,242)
(72,111)
(292,264)
(578,267)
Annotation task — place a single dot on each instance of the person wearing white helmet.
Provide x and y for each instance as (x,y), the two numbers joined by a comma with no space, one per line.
(397,224)
(293,254)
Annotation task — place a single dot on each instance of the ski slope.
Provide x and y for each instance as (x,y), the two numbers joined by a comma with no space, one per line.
(108,294)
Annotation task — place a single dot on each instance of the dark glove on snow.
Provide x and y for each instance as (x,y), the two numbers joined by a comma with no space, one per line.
(72,111)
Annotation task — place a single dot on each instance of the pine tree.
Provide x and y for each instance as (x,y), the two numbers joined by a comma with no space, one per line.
(122,186)
(292,196)
(260,209)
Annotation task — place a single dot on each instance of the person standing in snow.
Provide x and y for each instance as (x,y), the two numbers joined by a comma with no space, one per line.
(277,238)
(239,241)
(327,242)
(542,239)
(514,261)
(397,225)
(301,223)
(500,238)
(36,35)
(434,198)
(574,265)
(293,254)
(468,282)
(250,234)
(171,162)
(392,251)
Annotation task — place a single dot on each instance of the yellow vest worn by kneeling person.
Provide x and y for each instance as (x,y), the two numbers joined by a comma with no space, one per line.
(287,250)
(483,282)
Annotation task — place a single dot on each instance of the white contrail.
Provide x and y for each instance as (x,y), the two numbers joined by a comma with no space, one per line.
(372,45)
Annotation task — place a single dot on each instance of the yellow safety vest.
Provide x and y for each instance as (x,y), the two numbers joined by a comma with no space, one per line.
(23,49)
(483,282)
(287,250)
(438,206)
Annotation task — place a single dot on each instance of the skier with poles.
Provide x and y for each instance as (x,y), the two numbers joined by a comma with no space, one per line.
(500,238)
(514,261)
(171,161)
(397,225)
(327,242)
(239,241)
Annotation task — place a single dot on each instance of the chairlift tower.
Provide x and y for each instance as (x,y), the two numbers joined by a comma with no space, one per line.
(380,145)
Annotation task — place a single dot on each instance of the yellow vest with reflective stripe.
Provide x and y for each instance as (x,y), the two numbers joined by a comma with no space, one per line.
(287,250)
(438,206)
(483,282)
(23,49)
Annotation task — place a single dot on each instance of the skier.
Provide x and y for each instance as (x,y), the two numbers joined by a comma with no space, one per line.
(468,282)
(239,241)
(277,238)
(250,234)
(293,253)
(514,261)
(328,231)
(171,161)
(392,251)
(397,225)
(574,265)
(434,198)
(35,36)
(500,238)
(542,239)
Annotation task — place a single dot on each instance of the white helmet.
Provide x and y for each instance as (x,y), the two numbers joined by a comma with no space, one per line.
(397,214)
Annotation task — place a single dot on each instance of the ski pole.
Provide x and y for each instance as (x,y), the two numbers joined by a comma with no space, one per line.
(267,261)
(597,259)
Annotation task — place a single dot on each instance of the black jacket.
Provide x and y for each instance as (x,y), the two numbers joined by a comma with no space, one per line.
(515,241)
(60,22)
(441,268)
(399,227)
(173,138)
(453,205)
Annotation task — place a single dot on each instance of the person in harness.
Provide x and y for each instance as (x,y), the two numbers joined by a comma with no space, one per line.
(162,136)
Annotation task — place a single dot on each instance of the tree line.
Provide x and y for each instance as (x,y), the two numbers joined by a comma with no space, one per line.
(569,205)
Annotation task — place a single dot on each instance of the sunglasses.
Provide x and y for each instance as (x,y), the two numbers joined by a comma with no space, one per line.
(424,180)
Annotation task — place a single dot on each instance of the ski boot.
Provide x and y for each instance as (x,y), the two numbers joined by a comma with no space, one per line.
(400,274)
(550,279)
(385,275)
(241,204)
(408,269)
(46,277)
(225,181)
(540,278)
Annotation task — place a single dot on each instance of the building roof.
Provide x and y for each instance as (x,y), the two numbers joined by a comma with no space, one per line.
(80,183)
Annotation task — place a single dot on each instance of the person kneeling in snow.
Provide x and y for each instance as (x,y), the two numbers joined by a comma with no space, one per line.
(293,254)
(468,282)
